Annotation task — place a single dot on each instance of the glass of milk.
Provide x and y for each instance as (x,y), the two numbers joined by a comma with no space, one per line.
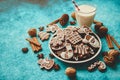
(85,15)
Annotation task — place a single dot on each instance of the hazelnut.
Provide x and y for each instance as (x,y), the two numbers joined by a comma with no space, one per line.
(73,15)
(103,30)
(25,50)
(40,56)
(56,67)
(70,71)
(72,22)
(32,32)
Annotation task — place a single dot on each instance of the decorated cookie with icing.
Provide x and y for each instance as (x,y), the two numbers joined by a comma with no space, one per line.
(72,37)
(56,44)
(91,40)
(84,29)
(83,49)
(69,52)
(46,63)
(102,66)
(43,35)
(52,28)
(99,64)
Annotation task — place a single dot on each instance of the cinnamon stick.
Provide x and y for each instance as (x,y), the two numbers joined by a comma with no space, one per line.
(36,41)
(54,22)
(115,42)
(109,42)
(32,41)
(32,46)
(36,47)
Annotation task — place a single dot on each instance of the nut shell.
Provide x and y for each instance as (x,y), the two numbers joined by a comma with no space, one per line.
(109,60)
(32,32)
(70,71)
(114,53)
(73,15)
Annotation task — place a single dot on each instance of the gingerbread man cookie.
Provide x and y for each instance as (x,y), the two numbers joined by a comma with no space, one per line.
(56,44)
(46,63)
(91,40)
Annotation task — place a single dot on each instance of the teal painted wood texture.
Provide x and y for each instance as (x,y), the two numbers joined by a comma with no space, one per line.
(18,16)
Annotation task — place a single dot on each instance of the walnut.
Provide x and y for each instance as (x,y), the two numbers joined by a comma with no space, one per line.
(32,32)
(70,71)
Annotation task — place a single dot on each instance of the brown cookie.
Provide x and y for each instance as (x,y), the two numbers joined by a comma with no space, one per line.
(46,63)
(102,66)
(43,35)
(109,60)
(114,53)
(52,28)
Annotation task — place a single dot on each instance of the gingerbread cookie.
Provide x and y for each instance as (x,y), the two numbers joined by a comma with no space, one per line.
(91,40)
(46,63)
(52,28)
(73,28)
(69,52)
(43,35)
(83,51)
(84,29)
(72,37)
(101,66)
(60,34)
(56,44)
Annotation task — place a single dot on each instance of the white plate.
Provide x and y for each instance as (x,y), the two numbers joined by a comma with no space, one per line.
(82,61)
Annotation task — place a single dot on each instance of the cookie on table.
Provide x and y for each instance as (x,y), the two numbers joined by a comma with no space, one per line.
(43,35)
(46,63)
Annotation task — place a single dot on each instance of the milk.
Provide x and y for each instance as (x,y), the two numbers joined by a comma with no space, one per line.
(86,15)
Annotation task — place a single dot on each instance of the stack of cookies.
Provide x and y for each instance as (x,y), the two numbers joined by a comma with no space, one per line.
(75,44)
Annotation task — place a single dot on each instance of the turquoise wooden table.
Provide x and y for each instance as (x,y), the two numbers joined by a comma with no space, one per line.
(17,16)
